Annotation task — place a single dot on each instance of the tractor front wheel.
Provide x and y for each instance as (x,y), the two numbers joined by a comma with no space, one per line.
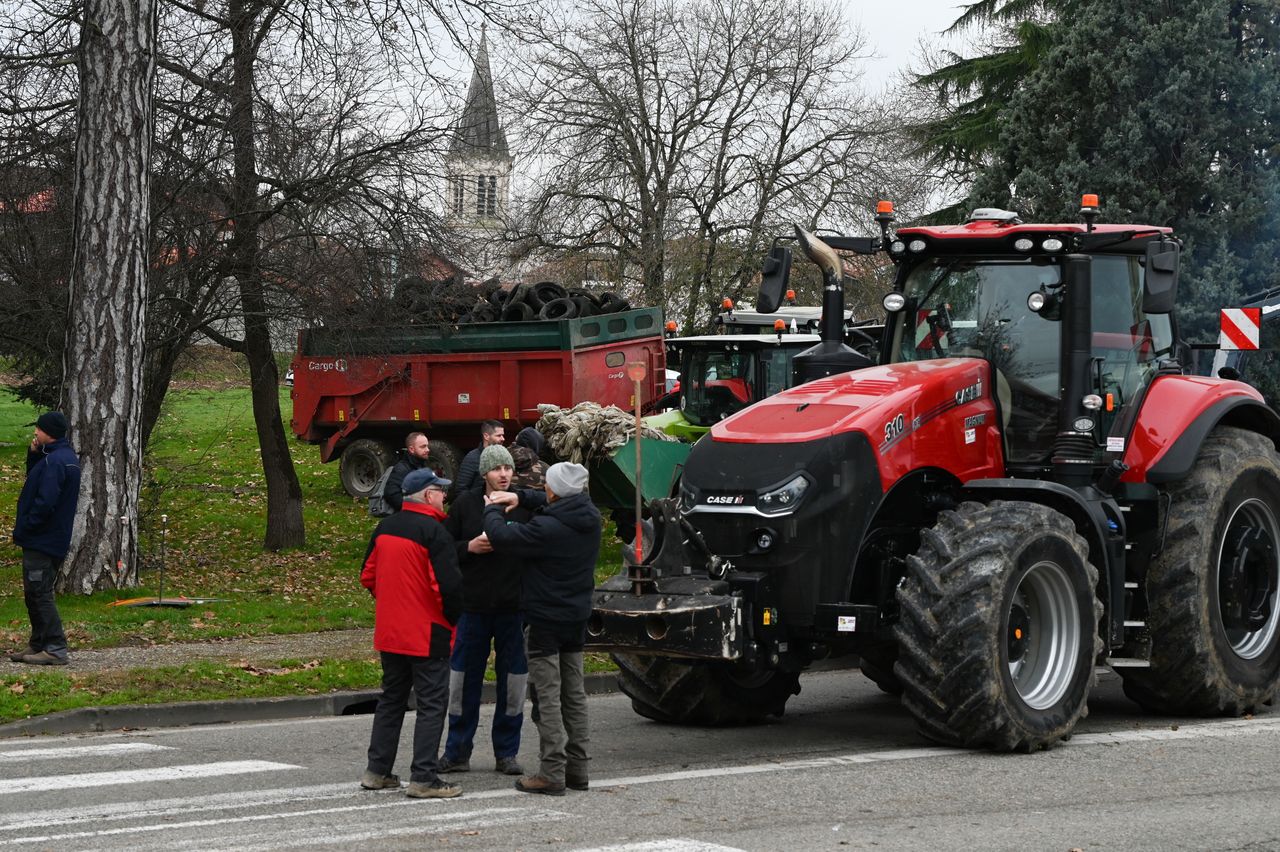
(1212,606)
(683,693)
(998,627)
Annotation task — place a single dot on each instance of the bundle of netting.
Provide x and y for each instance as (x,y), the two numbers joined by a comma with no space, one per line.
(589,431)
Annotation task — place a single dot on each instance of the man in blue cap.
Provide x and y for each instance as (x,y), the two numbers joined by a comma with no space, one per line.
(411,569)
(46,512)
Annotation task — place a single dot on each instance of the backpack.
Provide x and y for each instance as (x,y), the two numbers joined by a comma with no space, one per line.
(378,506)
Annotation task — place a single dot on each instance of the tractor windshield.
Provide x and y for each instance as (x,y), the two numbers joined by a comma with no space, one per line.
(716,382)
(977,307)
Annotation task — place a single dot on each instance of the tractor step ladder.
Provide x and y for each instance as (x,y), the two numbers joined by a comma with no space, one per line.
(1127,663)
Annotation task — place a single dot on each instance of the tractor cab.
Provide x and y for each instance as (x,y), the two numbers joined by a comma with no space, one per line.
(995,289)
(721,374)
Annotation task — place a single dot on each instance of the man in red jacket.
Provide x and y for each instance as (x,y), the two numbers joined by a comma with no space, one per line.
(411,569)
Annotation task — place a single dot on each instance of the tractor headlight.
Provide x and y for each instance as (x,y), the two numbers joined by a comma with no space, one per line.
(783,499)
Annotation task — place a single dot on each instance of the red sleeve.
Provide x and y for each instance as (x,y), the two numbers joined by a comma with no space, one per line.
(368,575)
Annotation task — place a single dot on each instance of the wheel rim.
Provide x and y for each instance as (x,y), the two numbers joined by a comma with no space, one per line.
(1043,640)
(1248,575)
(364,472)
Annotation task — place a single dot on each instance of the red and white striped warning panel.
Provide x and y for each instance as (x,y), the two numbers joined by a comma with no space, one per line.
(1241,328)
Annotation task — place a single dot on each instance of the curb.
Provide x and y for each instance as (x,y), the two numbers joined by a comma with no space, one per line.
(85,720)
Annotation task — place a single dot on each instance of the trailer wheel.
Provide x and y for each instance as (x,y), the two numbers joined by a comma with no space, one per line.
(443,459)
(361,464)
(999,627)
(677,692)
(1212,607)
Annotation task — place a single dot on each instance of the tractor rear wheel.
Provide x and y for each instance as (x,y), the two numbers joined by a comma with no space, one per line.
(998,627)
(1212,607)
(362,464)
(678,692)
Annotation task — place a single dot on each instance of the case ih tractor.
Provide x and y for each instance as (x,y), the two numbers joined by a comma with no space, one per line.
(1025,486)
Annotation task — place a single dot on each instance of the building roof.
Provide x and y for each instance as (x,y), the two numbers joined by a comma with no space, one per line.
(479,134)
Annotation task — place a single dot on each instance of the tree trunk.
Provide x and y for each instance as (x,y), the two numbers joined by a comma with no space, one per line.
(106,317)
(284,493)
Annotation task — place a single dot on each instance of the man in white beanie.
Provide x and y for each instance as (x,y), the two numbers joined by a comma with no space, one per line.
(560,544)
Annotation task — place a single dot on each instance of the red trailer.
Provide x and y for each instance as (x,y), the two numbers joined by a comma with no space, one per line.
(359,393)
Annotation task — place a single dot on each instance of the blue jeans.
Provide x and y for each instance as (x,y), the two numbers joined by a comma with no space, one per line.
(476,631)
(39,571)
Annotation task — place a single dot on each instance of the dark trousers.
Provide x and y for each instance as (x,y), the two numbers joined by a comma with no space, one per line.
(39,572)
(429,679)
(559,698)
(476,631)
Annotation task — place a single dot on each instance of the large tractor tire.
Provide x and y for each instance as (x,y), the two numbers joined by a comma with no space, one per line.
(1213,612)
(362,464)
(998,631)
(677,692)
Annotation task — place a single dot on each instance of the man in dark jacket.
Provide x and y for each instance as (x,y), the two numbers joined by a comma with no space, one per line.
(491,432)
(411,570)
(417,449)
(490,617)
(46,512)
(560,545)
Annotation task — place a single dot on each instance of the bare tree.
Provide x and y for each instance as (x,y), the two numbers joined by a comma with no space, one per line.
(679,137)
(108,289)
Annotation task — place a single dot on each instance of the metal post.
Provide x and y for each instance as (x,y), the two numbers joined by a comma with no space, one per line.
(637,371)
(164,532)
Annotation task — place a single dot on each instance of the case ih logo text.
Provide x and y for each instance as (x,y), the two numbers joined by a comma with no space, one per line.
(969,394)
(339,366)
(726,500)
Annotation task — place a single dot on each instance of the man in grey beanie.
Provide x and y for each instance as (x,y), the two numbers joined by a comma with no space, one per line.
(490,618)
(560,545)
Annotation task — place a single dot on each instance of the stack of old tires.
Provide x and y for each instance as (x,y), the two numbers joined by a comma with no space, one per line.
(454,302)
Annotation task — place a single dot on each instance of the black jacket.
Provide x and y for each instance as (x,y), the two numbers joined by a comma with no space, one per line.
(560,545)
(468,474)
(490,581)
(47,504)
(393,493)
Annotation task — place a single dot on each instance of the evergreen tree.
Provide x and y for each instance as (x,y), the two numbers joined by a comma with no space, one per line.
(1168,111)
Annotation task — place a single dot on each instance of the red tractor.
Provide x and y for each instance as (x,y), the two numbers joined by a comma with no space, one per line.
(1025,485)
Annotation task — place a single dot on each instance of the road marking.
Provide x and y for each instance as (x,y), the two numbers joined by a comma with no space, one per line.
(289,837)
(166,808)
(19,755)
(671,844)
(490,818)
(139,776)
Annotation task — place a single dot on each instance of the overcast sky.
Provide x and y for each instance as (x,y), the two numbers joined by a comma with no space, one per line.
(894,29)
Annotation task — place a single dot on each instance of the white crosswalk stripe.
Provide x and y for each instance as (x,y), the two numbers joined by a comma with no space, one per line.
(670,844)
(139,776)
(22,755)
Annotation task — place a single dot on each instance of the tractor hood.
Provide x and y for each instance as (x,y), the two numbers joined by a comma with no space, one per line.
(862,400)
(939,413)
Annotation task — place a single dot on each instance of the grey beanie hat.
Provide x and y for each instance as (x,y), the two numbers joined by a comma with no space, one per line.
(495,455)
(565,479)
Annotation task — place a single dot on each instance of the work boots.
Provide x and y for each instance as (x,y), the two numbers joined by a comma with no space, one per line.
(437,789)
(374,781)
(539,784)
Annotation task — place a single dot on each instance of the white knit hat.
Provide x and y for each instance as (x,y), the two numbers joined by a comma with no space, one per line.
(565,479)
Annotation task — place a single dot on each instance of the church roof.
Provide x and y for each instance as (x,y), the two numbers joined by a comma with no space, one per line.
(479,134)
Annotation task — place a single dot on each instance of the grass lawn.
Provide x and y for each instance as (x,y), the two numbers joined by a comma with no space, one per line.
(204,476)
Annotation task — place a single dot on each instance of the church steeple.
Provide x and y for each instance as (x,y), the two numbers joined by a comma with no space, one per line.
(479,171)
(479,132)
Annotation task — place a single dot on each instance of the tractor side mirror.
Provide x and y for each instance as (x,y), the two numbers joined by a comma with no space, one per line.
(773,279)
(1160,284)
